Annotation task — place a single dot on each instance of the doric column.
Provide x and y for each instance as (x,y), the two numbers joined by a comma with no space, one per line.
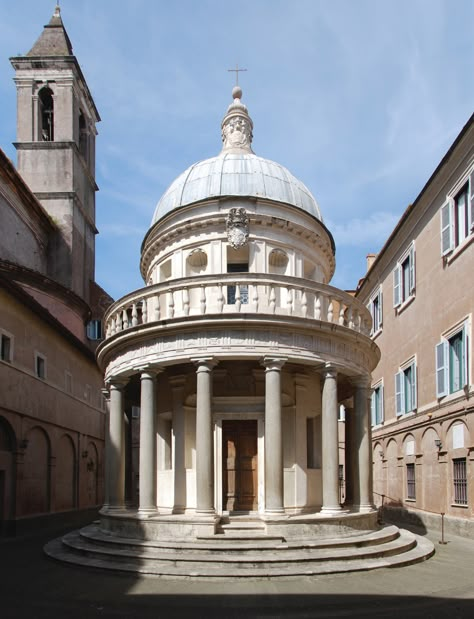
(349,455)
(363,500)
(330,443)
(147,462)
(179,435)
(273,436)
(106,396)
(204,435)
(116,467)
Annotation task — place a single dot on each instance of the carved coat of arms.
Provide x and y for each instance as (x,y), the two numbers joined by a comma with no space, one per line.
(237,226)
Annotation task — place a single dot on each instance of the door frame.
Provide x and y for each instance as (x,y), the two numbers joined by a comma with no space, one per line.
(233,414)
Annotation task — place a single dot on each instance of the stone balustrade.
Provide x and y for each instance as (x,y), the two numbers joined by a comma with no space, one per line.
(237,293)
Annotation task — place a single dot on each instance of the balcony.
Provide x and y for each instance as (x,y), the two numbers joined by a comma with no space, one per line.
(245,294)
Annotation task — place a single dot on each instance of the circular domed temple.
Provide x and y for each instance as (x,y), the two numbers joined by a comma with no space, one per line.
(225,374)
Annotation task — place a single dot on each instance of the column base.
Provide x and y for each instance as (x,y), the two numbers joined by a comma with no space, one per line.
(270,513)
(331,510)
(364,508)
(114,508)
(147,512)
(205,512)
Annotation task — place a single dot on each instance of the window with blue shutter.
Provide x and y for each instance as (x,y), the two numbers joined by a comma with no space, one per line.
(375,309)
(457,217)
(452,362)
(471,202)
(396,287)
(404,277)
(406,389)
(377,405)
(399,394)
(441,369)
(446,228)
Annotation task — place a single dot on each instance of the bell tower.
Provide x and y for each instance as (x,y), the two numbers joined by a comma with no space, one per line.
(56,132)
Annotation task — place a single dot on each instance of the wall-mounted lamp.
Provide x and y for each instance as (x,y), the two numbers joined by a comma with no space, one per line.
(90,465)
(85,453)
(24,443)
(438,443)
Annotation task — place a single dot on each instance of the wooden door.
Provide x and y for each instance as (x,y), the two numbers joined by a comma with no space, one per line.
(239,463)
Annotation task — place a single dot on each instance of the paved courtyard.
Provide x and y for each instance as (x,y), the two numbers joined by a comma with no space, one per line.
(35,587)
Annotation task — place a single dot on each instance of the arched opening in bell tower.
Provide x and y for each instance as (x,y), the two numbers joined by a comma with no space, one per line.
(46,115)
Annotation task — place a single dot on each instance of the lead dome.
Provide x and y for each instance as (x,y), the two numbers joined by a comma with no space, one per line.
(236,172)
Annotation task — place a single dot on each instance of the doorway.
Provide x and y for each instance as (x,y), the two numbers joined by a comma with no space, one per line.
(239,465)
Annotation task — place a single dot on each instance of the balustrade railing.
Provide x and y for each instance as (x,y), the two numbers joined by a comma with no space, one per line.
(237,293)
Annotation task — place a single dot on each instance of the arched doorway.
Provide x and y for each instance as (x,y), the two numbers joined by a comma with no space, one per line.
(7,444)
(36,473)
(66,474)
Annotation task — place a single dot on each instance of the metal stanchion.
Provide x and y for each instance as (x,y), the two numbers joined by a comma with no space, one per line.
(442,540)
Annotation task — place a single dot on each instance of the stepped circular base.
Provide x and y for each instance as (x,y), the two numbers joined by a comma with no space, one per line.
(241,548)
(157,527)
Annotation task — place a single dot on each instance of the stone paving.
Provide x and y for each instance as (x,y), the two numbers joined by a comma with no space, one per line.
(36,587)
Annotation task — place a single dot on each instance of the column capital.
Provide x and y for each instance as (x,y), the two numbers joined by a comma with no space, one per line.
(273,363)
(329,371)
(204,364)
(147,372)
(116,383)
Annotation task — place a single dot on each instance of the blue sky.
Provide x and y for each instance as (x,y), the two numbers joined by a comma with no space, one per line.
(360,99)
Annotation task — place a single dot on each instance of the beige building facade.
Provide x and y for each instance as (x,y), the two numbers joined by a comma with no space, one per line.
(420,291)
(52,410)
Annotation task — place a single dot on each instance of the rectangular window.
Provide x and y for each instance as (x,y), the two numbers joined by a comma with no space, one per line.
(375,309)
(377,405)
(411,485)
(94,330)
(451,363)
(405,389)
(404,277)
(457,217)
(232,291)
(461,216)
(40,363)
(460,481)
(5,348)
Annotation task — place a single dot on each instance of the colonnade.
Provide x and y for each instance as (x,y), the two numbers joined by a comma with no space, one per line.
(358,443)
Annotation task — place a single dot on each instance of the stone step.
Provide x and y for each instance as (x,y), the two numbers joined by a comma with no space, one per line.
(239,544)
(265,557)
(421,551)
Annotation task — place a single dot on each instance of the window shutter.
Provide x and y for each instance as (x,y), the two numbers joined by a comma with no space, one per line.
(372,408)
(471,201)
(396,286)
(464,380)
(413,388)
(382,412)
(441,369)
(399,393)
(446,228)
(370,307)
(412,269)
(379,309)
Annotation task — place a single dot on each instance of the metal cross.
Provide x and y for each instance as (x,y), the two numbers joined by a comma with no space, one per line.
(236,71)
